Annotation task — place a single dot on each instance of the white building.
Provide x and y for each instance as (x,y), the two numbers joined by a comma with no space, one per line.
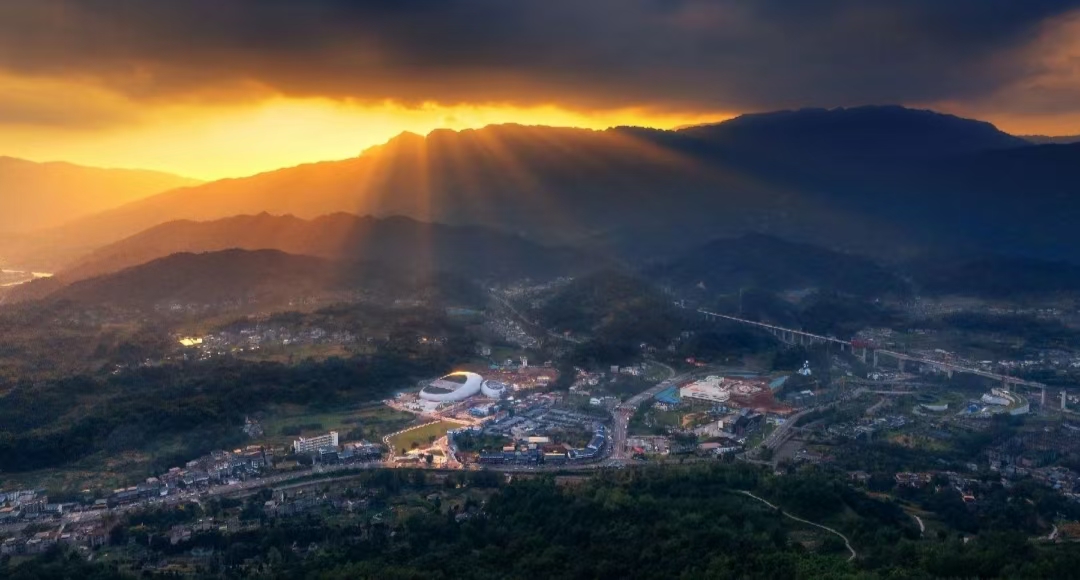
(313,444)
(711,389)
(995,400)
(452,388)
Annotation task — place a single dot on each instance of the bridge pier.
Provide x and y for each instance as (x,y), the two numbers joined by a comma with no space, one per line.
(948,373)
(875,359)
(862,355)
(900,363)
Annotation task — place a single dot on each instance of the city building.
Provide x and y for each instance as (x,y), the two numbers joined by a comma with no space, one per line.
(493,389)
(709,389)
(314,444)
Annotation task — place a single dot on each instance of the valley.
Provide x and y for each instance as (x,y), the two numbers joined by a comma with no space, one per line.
(200,379)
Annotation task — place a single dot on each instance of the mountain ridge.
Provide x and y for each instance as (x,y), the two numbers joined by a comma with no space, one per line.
(407,244)
(838,180)
(41,195)
(189,283)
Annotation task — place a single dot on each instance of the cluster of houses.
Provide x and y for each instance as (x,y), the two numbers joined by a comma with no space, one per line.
(32,506)
(27,504)
(217,467)
(538,450)
(86,535)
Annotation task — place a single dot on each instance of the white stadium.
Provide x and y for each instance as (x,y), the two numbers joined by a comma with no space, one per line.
(493,389)
(460,386)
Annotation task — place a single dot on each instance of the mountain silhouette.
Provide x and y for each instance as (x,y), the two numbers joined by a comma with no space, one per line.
(888,132)
(886,181)
(259,280)
(406,243)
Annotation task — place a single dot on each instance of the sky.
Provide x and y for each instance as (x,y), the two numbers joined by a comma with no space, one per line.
(212,88)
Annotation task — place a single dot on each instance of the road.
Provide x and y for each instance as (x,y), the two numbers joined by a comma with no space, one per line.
(808,522)
(873,408)
(217,490)
(626,410)
(780,434)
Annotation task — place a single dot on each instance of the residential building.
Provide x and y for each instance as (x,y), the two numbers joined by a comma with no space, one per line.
(313,444)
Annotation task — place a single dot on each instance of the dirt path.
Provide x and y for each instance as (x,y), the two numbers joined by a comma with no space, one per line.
(808,522)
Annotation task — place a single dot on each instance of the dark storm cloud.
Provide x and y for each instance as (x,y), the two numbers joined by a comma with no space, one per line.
(679,54)
(46,112)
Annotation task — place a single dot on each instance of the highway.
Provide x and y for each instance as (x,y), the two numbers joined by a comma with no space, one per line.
(217,490)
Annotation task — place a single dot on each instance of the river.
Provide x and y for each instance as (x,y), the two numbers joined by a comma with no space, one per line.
(10,278)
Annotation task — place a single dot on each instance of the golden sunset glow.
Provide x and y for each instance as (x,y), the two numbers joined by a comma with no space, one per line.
(243,97)
(210,141)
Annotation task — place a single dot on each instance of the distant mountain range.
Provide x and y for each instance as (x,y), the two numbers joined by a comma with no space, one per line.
(887,181)
(43,195)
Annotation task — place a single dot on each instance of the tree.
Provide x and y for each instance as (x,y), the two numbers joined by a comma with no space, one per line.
(273,557)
